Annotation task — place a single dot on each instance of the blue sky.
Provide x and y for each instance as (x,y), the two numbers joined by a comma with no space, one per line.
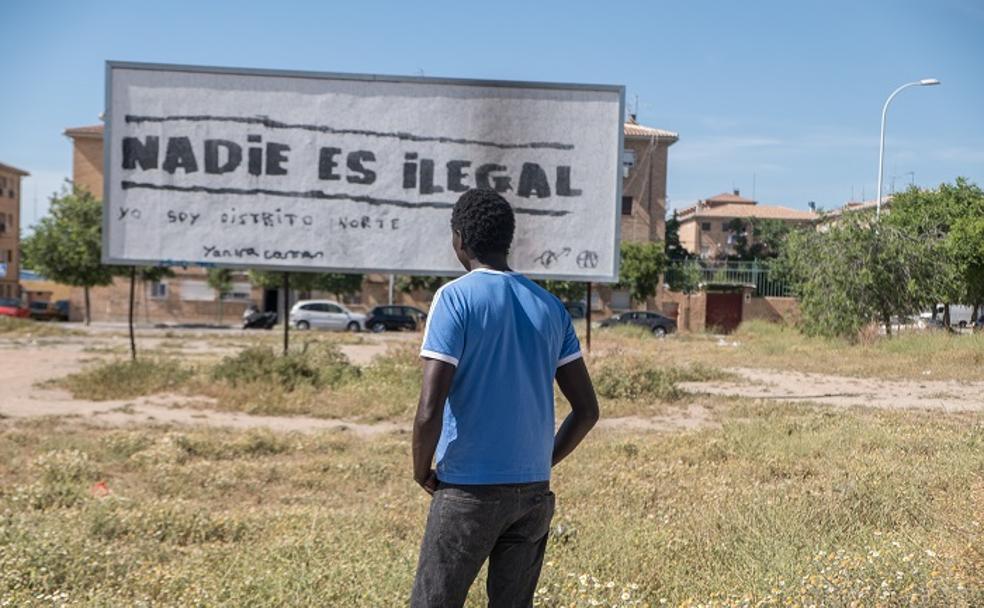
(787,92)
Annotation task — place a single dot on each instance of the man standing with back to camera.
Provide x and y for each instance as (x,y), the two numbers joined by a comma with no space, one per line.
(494,343)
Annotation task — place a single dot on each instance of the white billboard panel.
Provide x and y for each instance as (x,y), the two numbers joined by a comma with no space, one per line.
(306,171)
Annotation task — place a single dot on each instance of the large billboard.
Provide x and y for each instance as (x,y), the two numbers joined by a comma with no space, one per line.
(343,172)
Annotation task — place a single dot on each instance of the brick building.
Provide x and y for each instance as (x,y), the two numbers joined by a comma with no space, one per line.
(705,227)
(10,192)
(186,298)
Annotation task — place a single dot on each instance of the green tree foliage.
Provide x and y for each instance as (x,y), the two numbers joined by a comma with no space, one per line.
(758,238)
(66,245)
(860,271)
(569,291)
(684,276)
(674,249)
(642,265)
(412,283)
(955,211)
(335,283)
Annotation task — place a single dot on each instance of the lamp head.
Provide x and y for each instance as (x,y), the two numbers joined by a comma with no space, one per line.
(928,82)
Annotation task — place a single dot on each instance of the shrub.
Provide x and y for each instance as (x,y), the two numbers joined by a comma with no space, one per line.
(628,378)
(317,365)
(126,379)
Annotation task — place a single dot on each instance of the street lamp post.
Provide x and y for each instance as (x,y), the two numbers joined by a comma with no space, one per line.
(925,82)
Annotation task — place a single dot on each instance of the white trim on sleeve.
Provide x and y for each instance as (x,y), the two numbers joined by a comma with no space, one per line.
(569,358)
(430,354)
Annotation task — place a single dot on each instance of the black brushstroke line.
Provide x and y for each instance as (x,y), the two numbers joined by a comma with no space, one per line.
(276,124)
(318,194)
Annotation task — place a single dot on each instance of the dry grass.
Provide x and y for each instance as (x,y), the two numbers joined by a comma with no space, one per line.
(11,327)
(782,504)
(931,355)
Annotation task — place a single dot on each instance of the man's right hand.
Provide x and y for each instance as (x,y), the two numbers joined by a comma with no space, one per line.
(428,482)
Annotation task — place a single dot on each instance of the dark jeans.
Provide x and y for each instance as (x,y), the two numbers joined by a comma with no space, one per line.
(508,524)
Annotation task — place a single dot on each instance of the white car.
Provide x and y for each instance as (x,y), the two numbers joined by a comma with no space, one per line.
(325,314)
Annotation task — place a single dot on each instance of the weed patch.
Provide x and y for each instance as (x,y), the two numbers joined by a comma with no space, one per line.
(126,379)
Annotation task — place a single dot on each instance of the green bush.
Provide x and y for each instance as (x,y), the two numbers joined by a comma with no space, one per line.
(317,365)
(631,378)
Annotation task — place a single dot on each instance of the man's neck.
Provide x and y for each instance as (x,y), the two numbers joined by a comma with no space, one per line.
(496,262)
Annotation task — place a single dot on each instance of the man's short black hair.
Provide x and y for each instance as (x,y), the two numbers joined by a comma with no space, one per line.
(485,221)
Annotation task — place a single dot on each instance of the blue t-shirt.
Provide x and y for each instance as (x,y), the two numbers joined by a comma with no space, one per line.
(507,336)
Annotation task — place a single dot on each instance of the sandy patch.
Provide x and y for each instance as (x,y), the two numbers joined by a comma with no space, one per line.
(844,391)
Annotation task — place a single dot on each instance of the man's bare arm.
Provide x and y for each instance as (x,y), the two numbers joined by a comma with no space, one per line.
(575,383)
(427,423)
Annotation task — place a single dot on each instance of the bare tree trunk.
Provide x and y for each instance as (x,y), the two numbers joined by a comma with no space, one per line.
(88,317)
(133,289)
(887,320)
(946,316)
(286,311)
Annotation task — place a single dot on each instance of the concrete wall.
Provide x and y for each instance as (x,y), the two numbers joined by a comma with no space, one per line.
(647,222)
(777,310)
(87,164)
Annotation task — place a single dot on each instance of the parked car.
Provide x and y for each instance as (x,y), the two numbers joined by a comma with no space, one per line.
(12,307)
(49,311)
(657,323)
(960,315)
(325,314)
(395,318)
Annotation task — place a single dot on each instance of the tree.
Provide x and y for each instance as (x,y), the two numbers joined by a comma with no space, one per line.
(860,271)
(335,283)
(412,283)
(956,212)
(674,249)
(220,279)
(569,291)
(145,273)
(66,246)
(758,238)
(642,267)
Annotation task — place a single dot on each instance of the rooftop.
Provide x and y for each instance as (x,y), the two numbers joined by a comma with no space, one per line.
(734,205)
(10,169)
(92,131)
(633,130)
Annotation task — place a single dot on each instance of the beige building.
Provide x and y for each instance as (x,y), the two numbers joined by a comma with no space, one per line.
(705,227)
(10,193)
(644,161)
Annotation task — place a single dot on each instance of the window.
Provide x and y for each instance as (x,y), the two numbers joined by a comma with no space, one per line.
(158,290)
(3,224)
(724,226)
(10,256)
(628,161)
(332,308)
(705,226)
(626,205)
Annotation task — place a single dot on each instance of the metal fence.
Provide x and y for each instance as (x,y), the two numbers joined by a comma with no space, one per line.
(757,274)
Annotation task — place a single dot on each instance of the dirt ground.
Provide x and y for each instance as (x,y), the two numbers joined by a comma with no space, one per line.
(25,364)
(935,395)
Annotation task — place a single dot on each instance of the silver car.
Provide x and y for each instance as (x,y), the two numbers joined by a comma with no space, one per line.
(325,314)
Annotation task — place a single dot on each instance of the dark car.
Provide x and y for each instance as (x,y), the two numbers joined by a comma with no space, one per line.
(11,307)
(655,322)
(49,311)
(394,318)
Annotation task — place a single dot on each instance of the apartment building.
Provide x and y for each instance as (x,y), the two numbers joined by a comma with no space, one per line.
(10,196)
(706,227)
